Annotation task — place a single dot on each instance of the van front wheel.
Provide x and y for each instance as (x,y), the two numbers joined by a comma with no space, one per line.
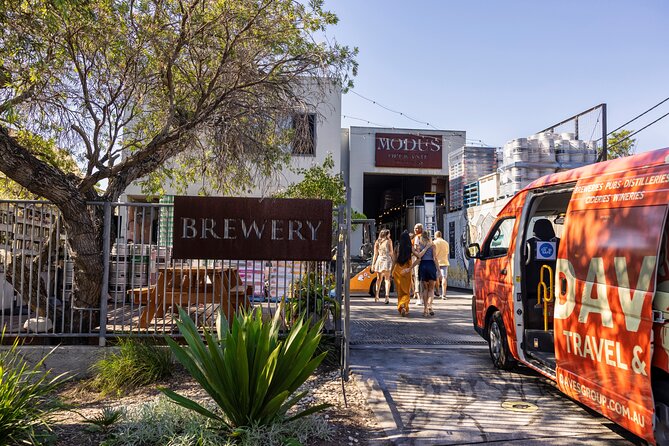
(498,344)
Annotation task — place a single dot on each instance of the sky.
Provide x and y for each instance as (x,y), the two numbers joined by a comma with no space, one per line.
(507,69)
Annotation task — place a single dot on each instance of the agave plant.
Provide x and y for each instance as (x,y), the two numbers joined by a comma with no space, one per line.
(247,370)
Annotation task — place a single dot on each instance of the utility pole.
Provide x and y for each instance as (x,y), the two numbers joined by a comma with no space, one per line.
(604,154)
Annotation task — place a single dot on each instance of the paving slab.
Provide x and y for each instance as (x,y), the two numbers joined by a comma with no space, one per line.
(430,381)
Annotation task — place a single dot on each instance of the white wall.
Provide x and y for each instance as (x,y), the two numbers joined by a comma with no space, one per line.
(328,140)
(459,271)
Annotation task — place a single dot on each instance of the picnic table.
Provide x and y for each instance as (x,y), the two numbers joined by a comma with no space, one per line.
(194,285)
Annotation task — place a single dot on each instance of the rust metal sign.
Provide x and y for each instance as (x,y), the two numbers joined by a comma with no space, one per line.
(252,228)
(402,150)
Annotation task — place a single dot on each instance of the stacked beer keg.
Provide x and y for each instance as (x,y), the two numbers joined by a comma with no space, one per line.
(527,159)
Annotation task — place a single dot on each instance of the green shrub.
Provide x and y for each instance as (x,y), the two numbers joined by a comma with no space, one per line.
(247,370)
(310,295)
(137,364)
(105,419)
(282,434)
(163,423)
(26,403)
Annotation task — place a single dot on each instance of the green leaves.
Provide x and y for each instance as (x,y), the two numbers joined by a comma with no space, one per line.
(25,402)
(310,295)
(136,84)
(318,182)
(620,144)
(246,369)
(136,364)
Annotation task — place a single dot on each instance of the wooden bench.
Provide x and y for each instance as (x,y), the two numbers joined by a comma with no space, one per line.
(192,286)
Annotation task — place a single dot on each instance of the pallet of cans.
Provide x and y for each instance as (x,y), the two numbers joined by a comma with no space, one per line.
(132,266)
(527,159)
(465,166)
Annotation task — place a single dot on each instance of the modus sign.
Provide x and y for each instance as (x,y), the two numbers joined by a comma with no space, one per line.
(399,150)
(252,228)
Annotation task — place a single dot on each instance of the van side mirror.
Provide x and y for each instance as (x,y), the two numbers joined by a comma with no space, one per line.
(473,251)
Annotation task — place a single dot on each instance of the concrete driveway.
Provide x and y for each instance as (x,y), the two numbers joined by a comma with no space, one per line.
(431,381)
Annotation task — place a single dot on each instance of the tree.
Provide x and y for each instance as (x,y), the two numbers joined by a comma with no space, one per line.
(126,85)
(43,150)
(618,146)
(318,182)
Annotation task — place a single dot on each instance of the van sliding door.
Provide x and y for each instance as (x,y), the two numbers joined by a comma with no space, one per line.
(604,286)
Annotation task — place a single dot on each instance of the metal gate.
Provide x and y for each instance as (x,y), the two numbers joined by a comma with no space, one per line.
(142,286)
(342,285)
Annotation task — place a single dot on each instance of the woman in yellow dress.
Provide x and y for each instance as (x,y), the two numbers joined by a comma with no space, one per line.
(402,273)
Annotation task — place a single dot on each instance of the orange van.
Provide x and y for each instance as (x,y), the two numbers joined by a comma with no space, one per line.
(573,281)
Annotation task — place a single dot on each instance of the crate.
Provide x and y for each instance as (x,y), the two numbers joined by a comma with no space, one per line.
(489,187)
(140,259)
(121,250)
(471,195)
(117,288)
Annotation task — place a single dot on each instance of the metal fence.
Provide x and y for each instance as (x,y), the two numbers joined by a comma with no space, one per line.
(142,286)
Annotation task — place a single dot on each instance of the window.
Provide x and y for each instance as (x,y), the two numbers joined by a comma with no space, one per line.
(304,134)
(498,241)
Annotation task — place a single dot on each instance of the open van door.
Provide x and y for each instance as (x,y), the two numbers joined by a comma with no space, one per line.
(604,287)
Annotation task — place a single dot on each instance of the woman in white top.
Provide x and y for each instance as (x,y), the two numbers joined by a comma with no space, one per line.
(382,263)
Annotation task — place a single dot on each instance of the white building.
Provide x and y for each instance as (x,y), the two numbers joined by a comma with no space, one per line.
(319,125)
(320,120)
(391,170)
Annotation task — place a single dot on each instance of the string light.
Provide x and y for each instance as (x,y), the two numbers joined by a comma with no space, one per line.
(393,111)
(368,122)
(401,114)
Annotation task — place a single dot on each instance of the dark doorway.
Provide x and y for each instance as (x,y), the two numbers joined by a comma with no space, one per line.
(385,197)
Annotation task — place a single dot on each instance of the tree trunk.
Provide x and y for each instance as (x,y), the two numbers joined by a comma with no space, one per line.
(83,223)
(26,279)
(85,246)
(84,229)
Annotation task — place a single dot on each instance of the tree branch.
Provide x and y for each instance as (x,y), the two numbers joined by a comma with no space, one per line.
(32,173)
(17,99)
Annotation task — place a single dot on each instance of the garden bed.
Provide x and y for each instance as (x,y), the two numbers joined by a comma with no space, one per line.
(352,425)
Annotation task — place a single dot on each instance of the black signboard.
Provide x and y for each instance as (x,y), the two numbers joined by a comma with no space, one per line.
(451,239)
